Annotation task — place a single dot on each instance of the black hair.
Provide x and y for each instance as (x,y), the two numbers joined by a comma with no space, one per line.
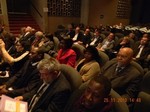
(94,52)
(105,82)
(68,42)
(50,37)
(25,44)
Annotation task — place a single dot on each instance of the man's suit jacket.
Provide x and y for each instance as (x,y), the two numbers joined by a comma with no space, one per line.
(110,45)
(55,97)
(144,53)
(79,37)
(86,39)
(126,82)
(25,80)
(70,33)
(28,37)
(99,40)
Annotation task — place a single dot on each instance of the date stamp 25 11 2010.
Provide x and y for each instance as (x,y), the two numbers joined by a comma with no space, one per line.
(132,100)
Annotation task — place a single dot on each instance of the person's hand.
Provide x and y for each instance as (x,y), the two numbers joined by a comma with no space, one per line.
(101,49)
(83,79)
(2,44)
(3,89)
(122,43)
(134,59)
(19,98)
(79,42)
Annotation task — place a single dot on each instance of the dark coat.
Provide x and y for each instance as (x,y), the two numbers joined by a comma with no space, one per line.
(126,82)
(55,97)
(24,81)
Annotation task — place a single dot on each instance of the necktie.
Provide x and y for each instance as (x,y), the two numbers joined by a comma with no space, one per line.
(140,50)
(37,96)
(118,69)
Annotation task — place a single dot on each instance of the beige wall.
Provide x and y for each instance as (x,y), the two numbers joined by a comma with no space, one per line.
(3,15)
(55,21)
(91,16)
(49,24)
(84,11)
(107,8)
(38,4)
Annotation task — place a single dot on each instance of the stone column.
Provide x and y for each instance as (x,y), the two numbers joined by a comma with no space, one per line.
(4,15)
(84,11)
(45,16)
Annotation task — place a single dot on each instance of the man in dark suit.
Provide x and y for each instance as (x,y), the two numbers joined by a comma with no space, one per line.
(78,35)
(125,78)
(54,91)
(28,35)
(26,79)
(96,39)
(70,32)
(141,50)
(86,38)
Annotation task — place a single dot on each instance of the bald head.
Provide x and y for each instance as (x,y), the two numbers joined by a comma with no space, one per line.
(39,35)
(28,29)
(124,56)
(127,51)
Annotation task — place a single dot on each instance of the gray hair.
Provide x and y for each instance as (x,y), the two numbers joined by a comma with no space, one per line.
(50,64)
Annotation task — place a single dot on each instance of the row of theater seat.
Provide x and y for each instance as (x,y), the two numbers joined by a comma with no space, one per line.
(79,49)
(76,82)
(144,94)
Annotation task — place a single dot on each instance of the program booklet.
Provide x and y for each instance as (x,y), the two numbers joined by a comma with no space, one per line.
(8,104)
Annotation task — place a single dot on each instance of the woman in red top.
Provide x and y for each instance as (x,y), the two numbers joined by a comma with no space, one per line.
(66,55)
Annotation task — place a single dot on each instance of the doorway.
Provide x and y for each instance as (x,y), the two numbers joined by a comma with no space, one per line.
(18,6)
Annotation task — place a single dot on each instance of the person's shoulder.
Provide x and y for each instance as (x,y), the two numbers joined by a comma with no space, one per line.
(72,52)
(111,62)
(62,80)
(94,63)
(134,70)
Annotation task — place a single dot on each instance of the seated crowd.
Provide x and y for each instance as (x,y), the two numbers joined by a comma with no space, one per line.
(33,61)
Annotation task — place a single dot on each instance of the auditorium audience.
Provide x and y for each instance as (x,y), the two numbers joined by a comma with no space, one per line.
(124,76)
(89,66)
(54,91)
(91,97)
(17,59)
(26,79)
(25,82)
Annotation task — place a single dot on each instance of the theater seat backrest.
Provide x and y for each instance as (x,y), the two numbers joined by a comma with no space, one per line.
(144,104)
(72,76)
(118,104)
(145,84)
